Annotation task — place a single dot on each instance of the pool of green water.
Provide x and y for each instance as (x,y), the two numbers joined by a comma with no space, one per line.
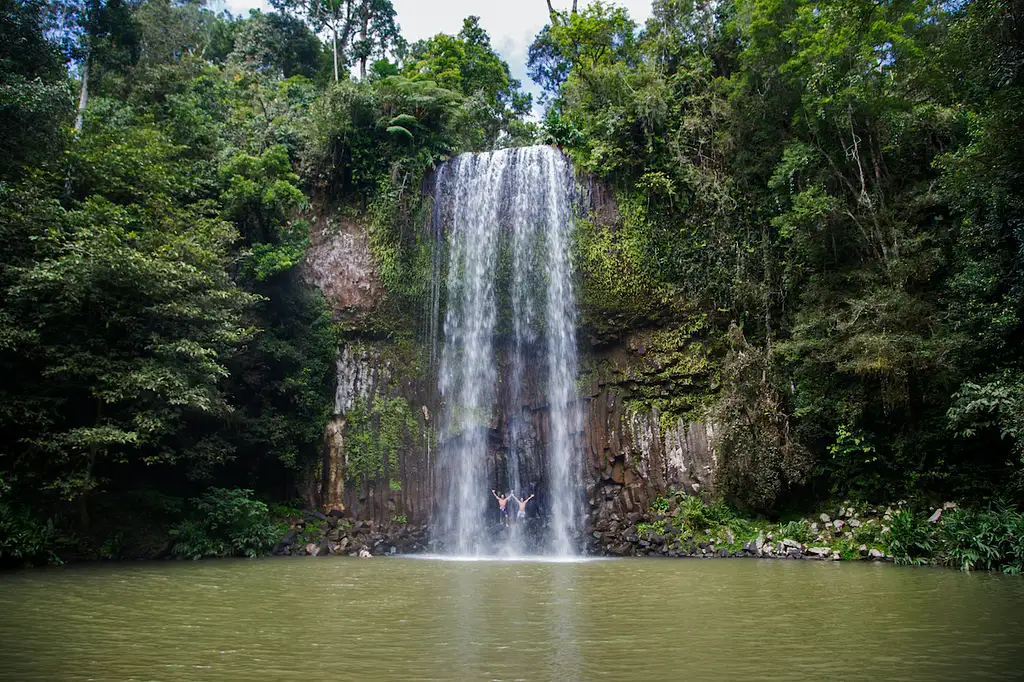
(340,618)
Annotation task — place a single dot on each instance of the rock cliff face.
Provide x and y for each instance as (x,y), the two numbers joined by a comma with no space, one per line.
(339,263)
(635,451)
(376,464)
(643,400)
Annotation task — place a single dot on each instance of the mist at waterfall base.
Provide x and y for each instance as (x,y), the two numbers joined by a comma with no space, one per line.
(509,315)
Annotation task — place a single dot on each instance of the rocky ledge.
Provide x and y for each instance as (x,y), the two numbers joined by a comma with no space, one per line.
(317,534)
(684,526)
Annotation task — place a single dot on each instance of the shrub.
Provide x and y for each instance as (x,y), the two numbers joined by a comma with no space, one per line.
(795,530)
(910,538)
(693,514)
(991,538)
(227,523)
(24,539)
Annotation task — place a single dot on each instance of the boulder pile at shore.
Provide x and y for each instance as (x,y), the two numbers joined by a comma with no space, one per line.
(318,534)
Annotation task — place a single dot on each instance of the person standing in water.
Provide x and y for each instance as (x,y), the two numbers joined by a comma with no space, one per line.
(521,514)
(502,510)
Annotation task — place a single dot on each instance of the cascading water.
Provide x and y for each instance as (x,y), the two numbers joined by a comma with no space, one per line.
(516,203)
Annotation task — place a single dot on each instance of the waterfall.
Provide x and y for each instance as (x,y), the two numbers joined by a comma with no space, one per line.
(509,293)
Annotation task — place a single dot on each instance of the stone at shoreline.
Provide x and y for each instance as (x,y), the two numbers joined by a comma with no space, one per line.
(819,551)
(862,550)
(825,518)
(311,549)
(791,543)
(876,555)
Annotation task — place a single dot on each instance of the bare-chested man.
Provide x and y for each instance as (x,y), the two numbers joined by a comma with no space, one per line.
(502,511)
(521,514)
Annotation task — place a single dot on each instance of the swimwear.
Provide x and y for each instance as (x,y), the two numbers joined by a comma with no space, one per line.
(504,512)
(521,514)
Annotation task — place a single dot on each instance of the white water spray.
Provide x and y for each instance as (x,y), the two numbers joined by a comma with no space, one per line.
(519,200)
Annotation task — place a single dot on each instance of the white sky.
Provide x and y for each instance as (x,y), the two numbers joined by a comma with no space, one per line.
(512,24)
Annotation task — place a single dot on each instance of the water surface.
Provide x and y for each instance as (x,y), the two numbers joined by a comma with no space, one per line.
(339,618)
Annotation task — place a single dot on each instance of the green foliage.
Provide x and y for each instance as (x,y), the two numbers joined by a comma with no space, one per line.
(795,530)
(839,180)
(997,404)
(645,530)
(154,331)
(466,63)
(23,537)
(855,463)
(227,523)
(759,460)
(910,538)
(991,538)
(277,44)
(376,430)
(694,514)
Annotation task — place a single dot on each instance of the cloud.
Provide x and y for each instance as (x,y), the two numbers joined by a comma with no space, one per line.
(511,25)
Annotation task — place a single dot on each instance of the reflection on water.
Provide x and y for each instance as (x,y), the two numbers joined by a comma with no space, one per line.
(314,619)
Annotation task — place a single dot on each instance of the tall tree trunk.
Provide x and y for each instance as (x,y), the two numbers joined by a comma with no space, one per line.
(362,38)
(83,98)
(334,45)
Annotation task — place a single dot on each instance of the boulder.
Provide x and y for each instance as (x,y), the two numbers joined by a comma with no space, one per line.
(311,549)
(825,518)
(876,555)
(936,515)
(854,523)
(794,552)
(317,515)
(863,550)
(819,551)
(838,525)
(791,544)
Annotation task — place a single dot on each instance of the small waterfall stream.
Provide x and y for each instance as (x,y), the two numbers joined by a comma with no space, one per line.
(509,295)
